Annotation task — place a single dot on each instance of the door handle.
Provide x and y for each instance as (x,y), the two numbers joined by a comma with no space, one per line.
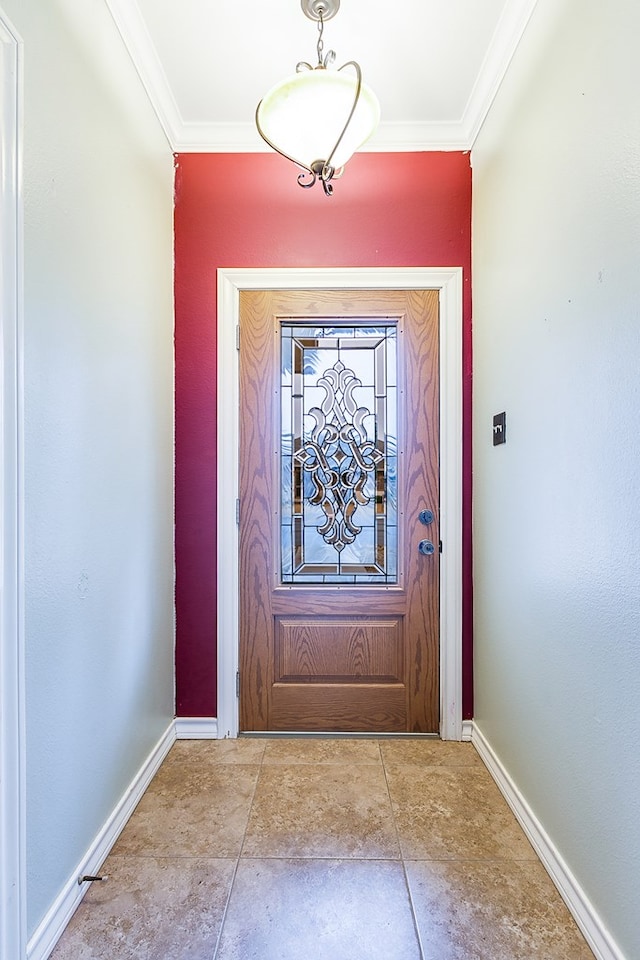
(426,548)
(426,517)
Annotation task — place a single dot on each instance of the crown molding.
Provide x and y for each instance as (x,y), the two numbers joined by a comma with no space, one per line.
(388,138)
(133,30)
(189,137)
(504,43)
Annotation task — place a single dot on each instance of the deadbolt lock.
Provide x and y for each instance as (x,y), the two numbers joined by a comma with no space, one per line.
(426,548)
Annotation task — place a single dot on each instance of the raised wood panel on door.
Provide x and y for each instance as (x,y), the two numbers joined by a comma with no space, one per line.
(338,658)
(331,650)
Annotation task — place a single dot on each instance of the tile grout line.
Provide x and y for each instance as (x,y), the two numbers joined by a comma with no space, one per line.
(402,860)
(237,863)
(413,880)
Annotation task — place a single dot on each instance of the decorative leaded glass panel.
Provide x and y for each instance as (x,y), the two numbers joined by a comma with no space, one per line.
(339,454)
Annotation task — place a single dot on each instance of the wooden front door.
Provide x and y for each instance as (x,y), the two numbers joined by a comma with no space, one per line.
(338,513)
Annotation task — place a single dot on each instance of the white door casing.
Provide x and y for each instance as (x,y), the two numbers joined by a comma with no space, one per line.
(448,281)
(12,683)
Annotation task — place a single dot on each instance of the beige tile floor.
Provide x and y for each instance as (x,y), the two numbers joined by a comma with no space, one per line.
(336,849)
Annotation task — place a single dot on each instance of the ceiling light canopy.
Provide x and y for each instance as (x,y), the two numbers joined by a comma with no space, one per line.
(318,117)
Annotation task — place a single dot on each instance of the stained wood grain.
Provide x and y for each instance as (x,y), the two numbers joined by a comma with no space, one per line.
(339,658)
(340,651)
(328,707)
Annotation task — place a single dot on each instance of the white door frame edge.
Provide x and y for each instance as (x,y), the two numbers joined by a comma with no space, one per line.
(448,281)
(12,674)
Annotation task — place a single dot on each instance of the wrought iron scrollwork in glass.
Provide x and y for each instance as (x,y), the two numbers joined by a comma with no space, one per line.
(339,509)
(339,457)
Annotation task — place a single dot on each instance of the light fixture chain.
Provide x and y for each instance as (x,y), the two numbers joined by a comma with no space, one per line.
(320,40)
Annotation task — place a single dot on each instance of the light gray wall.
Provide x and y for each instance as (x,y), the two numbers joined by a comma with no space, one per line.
(556,246)
(98,188)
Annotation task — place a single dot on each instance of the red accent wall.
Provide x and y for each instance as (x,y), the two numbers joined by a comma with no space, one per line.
(246,210)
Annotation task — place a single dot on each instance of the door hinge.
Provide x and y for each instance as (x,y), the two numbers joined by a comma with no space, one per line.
(238,512)
(237,336)
(238,684)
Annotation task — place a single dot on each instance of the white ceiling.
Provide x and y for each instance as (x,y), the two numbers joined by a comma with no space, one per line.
(435,65)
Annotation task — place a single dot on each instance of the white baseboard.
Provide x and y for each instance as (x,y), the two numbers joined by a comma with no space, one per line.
(62,909)
(196,728)
(581,908)
(467,730)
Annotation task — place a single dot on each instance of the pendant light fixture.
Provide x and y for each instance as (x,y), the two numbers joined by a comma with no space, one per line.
(318,117)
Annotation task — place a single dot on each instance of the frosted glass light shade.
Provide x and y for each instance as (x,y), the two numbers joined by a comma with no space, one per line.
(304,115)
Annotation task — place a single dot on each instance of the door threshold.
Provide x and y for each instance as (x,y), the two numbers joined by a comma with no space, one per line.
(335,735)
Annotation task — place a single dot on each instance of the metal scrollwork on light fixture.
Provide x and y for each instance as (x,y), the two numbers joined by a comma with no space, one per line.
(318,117)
